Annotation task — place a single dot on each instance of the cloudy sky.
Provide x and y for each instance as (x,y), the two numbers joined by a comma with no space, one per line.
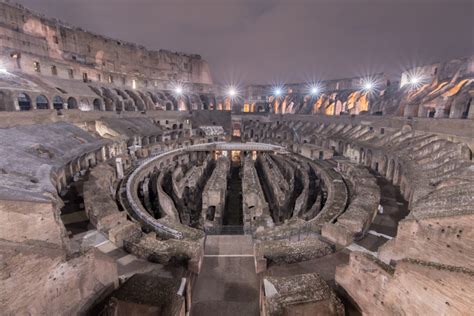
(278,41)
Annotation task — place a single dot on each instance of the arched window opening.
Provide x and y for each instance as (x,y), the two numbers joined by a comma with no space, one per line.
(58,103)
(71,103)
(42,102)
(97,105)
(24,102)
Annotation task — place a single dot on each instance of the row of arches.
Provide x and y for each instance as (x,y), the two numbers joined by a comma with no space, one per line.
(41,102)
(389,167)
(65,175)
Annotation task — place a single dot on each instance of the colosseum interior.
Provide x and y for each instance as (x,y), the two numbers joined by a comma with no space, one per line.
(132,184)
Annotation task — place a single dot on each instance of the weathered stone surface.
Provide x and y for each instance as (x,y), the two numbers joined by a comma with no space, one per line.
(214,194)
(101,208)
(151,293)
(30,222)
(285,251)
(166,251)
(445,240)
(412,288)
(43,278)
(299,294)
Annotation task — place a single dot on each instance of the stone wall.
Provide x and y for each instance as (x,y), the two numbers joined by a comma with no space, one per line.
(412,288)
(29,37)
(432,165)
(39,223)
(214,194)
(256,214)
(443,240)
(39,280)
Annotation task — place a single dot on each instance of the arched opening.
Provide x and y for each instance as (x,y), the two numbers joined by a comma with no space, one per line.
(211,212)
(368,159)
(97,104)
(84,105)
(42,102)
(24,102)
(169,106)
(58,103)
(340,148)
(71,103)
(431,113)
(465,113)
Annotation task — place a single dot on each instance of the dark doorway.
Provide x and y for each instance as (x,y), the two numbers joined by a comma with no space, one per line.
(24,102)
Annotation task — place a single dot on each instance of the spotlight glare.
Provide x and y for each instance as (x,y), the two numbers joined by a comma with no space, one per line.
(178,90)
(314,90)
(277,92)
(232,92)
(3,71)
(415,80)
(368,86)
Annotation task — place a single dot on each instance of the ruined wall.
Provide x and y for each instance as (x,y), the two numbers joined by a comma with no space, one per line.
(432,165)
(256,214)
(40,281)
(214,193)
(38,221)
(29,38)
(412,288)
(443,240)
(440,90)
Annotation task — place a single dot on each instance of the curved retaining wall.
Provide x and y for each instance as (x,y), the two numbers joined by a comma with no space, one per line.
(148,165)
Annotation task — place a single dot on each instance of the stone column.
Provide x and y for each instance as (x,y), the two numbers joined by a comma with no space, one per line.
(119,165)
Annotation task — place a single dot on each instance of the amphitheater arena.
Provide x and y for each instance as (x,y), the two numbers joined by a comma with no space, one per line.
(130,184)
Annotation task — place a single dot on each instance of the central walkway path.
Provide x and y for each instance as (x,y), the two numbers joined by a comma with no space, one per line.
(227,284)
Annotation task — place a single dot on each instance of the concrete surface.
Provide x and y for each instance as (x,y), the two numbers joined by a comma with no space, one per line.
(227,284)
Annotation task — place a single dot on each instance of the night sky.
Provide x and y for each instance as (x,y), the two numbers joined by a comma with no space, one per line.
(270,41)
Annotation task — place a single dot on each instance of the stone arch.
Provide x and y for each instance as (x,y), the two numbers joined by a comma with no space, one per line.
(109,105)
(97,104)
(460,108)
(84,105)
(58,102)
(42,102)
(340,147)
(24,102)
(71,103)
